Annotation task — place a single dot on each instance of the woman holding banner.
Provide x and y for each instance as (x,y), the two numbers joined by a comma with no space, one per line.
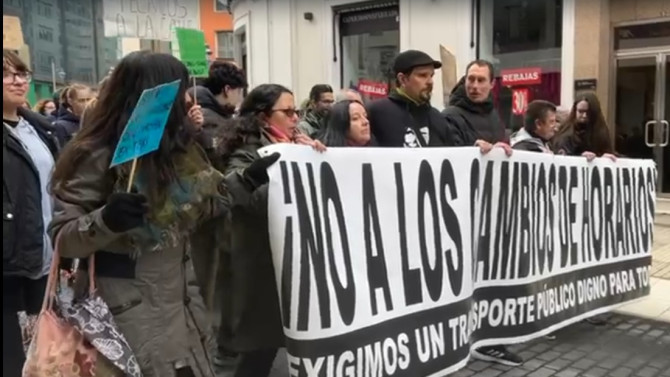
(585,132)
(347,125)
(251,328)
(140,234)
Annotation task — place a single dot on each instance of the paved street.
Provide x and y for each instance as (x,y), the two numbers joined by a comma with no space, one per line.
(661,255)
(626,346)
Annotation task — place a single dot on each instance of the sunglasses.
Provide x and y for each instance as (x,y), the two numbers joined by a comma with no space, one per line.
(289,112)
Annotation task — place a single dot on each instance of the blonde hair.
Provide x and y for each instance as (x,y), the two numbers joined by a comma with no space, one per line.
(69,94)
(87,110)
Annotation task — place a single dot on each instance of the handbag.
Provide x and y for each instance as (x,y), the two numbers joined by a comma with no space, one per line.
(57,349)
(80,339)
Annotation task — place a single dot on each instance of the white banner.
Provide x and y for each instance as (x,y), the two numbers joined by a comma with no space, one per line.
(395,262)
(149,19)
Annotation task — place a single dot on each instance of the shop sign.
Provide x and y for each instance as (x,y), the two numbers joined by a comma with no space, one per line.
(586,84)
(519,101)
(373,88)
(369,21)
(521,76)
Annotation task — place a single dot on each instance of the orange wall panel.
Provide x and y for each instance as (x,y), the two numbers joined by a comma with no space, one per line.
(211,22)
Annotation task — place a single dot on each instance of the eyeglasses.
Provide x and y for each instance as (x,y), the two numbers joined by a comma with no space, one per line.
(9,77)
(289,112)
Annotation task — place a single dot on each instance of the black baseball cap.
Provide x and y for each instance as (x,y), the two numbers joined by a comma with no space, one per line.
(407,60)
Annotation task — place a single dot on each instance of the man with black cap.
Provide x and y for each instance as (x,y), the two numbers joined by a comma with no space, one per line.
(405,117)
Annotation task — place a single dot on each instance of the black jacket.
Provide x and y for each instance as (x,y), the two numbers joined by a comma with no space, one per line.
(65,126)
(23,226)
(473,121)
(396,121)
(216,117)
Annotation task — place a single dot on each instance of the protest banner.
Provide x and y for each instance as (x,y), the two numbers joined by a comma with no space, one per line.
(12,35)
(146,125)
(149,19)
(188,45)
(397,262)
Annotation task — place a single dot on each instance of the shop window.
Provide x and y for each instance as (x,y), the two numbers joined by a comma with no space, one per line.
(369,40)
(523,40)
(225,45)
(220,6)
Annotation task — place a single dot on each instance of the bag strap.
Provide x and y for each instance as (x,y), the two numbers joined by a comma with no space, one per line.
(91,274)
(54,276)
(50,291)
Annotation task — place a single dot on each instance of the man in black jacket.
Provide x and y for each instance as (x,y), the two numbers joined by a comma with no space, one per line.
(471,113)
(405,118)
(222,91)
(473,118)
(539,126)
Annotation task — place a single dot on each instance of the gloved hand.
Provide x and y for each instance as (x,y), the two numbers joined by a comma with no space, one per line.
(124,211)
(257,173)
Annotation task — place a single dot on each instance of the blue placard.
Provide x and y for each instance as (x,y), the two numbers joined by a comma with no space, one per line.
(144,130)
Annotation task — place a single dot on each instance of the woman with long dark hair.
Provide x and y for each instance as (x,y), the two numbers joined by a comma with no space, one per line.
(251,329)
(140,238)
(347,125)
(585,132)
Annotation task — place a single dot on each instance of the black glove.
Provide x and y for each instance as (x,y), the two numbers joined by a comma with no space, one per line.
(257,173)
(124,211)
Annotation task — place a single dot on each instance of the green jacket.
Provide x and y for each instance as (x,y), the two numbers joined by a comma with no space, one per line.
(312,123)
(251,316)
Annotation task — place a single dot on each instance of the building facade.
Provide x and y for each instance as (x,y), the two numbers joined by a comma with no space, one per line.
(65,41)
(541,49)
(217,24)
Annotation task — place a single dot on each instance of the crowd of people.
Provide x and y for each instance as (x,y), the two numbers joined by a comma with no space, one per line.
(183,259)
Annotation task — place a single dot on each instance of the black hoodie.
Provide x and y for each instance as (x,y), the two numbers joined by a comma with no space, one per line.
(65,126)
(397,121)
(216,117)
(473,121)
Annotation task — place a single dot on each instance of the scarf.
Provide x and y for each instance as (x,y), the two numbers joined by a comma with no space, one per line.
(188,202)
(275,135)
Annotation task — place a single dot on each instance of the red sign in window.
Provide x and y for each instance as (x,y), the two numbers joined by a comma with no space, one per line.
(372,88)
(522,76)
(519,101)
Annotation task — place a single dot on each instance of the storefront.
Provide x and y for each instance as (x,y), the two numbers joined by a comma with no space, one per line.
(642,94)
(348,43)
(369,40)
(523,40)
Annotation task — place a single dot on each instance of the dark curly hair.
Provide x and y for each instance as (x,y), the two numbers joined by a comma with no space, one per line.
(222,74)
(250,122)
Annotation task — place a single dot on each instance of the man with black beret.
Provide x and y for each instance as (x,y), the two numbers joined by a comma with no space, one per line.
(406,118)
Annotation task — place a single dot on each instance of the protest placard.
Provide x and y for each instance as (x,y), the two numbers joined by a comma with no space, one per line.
(12,35)
(397,262)
(149,19)
(146,125)
(188,45)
